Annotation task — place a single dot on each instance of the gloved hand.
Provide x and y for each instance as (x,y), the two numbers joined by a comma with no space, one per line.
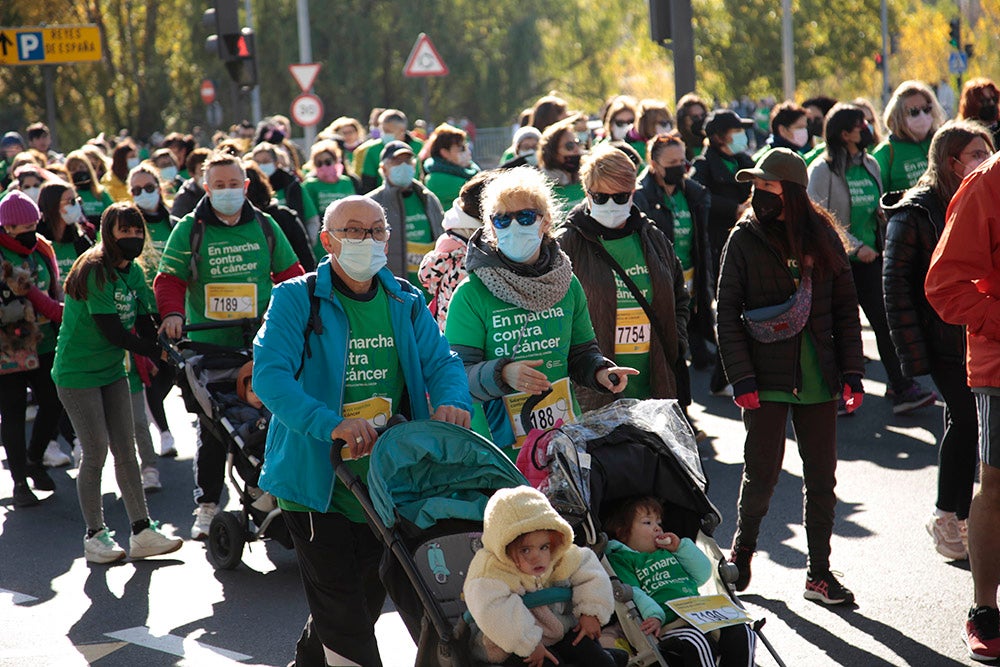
(852,398)
(748,401)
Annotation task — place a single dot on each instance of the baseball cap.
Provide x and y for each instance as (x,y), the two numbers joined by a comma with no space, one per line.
(392,148)
(778,164)
(18,209)
(11,138)
(723,120)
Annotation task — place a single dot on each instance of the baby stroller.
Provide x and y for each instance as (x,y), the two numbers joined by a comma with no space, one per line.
(207,377)
(626,449)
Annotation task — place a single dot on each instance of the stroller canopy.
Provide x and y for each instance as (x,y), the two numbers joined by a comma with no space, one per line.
(427,471)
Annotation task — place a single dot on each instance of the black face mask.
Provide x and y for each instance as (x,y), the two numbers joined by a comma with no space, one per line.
(674,175)
(81,178)
(815,127)
(698,127)
(130,248)
(767,206)
(26,239)
(867,138)
(988,113)
(571,163)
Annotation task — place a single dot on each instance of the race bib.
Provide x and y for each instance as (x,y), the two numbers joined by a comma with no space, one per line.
(230,301)
(632,331)
(415,254)
(708,612)
(557,405)
(375,410)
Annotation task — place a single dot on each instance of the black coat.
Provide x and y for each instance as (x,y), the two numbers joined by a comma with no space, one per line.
(295,232)
(754,275)
(649,197)
(727,193)
(921,337)
(187,198)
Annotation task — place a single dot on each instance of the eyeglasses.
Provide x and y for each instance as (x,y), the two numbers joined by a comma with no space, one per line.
(525,218)
(359,234)
(603,197)
(916,111)
(324,163)
(148,187)
(979,155)
(624,123)
(571,145)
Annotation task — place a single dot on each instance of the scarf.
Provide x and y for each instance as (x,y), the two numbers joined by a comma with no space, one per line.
(534,293)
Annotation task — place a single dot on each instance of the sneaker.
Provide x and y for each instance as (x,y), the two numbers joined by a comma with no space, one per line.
(826,589)
(167,449)
(101,548)
(151,480)
(77,452)
(741,557)
(40,477)
(150,542)
(203,519)
(23,497)
(947,536)
(55,457)
(982,634)
(912,398)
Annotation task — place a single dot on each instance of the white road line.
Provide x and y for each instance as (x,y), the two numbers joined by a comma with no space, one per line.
(192,649)
(14,597)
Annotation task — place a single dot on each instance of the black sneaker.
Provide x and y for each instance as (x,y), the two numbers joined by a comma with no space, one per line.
(23,497)
(825,588)
(741,557)
(982,634)
(40,477)
(912,398)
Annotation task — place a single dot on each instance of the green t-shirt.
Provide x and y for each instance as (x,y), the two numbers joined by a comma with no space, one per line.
(816,151)
(659,574)
(902,162)
(84,357)
(479,320)
(308,205)
(65,256)
(864,203)
(42,278)
(234,274)
(445,186)
(632,328)
(373,386)
(571,195)
(814,388)
(322,194)
(93,206)
(373,157)
(419,238)
(683,227)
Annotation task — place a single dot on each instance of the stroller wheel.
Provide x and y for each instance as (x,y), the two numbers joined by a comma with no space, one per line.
(226,538)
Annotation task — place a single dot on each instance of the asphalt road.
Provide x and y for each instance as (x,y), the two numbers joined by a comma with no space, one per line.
(55,609)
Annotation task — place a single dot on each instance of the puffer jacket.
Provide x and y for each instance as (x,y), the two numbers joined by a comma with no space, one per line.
(669,299)
(754,275)
(921,337)
(727,193)
(649,199)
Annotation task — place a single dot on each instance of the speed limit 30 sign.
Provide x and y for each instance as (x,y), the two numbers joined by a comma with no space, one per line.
(307,110)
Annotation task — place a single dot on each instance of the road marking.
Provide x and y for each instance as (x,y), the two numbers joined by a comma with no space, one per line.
(194,650)
(15,597)
(94,652)
(394,641)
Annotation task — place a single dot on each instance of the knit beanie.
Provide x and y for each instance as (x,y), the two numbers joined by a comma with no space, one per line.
(18,209)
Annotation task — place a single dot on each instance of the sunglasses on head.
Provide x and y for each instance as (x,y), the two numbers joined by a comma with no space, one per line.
(324,163)
(916,111)
(603,197)
(624,123)
(148,187)
(525,218)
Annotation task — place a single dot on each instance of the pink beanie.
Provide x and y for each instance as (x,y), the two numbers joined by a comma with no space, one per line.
(17,208)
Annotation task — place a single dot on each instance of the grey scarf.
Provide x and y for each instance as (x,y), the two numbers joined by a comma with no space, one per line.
(534,293)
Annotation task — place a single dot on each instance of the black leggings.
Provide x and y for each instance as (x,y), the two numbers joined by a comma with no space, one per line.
(159,386)
(14,403)
(868,283)
(958,454)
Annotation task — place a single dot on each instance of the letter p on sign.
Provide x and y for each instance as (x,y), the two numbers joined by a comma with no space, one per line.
(29,46)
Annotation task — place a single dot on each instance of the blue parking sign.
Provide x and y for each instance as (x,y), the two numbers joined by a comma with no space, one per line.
(29,46)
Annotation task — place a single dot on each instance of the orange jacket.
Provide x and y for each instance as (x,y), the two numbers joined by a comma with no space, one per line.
(963,282)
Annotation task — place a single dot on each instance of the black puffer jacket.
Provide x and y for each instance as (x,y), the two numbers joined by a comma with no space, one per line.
(649,198)
(710,170)
(755,275)
(916,220)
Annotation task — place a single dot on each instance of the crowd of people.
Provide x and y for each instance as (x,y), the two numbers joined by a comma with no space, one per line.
(602,258)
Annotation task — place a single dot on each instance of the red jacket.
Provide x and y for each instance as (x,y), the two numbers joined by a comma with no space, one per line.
(963,282)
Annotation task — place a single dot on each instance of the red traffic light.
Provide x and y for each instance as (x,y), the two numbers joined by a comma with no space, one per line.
(242,50)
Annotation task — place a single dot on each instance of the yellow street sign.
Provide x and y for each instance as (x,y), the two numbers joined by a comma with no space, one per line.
(38,45)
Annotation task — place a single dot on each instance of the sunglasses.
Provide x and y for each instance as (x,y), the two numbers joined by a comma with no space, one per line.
(571,145)
(916,111)
(603,197)
(624,123)
(525,218)
(324,163)
(148,187)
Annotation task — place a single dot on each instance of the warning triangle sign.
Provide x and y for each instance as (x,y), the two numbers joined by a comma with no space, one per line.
(424,59)
(304,74)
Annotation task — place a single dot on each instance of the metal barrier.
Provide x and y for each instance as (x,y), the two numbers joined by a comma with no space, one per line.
(489,145)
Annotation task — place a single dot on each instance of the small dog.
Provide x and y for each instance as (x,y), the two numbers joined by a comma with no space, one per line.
(19,329)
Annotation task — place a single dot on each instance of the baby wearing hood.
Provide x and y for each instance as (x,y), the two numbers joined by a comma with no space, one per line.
(527,546)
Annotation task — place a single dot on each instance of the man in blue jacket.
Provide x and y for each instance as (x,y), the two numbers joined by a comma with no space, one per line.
(378,352)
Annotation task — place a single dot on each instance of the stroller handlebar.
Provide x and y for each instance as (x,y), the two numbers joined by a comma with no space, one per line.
(337,445)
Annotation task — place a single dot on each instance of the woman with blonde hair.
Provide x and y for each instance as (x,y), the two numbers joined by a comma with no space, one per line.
(520,321)
(913,115)
(93,198)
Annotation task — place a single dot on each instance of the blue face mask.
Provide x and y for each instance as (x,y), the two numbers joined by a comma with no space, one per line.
(518,242)
(227,201)
(738,143)
(402,174)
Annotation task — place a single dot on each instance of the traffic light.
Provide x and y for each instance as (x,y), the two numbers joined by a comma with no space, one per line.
(879,61)
(243,70)
(224,17)
(955,35)
(659,21)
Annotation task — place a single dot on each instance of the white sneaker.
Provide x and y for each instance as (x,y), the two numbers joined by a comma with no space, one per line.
(101,548)
(151,543)
(151,479)
(203,520)
(947,536)
(77,452)
(167,448)
(55,457)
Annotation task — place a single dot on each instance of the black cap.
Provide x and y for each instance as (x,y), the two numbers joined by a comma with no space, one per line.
(393,147)
(723,120)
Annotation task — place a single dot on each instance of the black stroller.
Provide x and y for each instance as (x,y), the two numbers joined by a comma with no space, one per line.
(207,377)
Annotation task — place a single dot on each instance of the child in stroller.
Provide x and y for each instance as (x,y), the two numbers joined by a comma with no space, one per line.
(659,566)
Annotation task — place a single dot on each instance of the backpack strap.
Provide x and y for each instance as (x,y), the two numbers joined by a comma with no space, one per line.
(198,235)
(313,325)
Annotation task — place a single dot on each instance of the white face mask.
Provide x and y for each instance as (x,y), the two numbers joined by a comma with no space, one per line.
(531,157)
(73,214)
(919,126)
(168,173)
(132,163)
(147,201)
(268,168)
(361,260)
(465,158)
(227,201)
(32,193)
(800,136)
(619,133)
(610,214)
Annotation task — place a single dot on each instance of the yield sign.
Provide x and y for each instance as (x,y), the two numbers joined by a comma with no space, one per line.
(424,59)
(304,74)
